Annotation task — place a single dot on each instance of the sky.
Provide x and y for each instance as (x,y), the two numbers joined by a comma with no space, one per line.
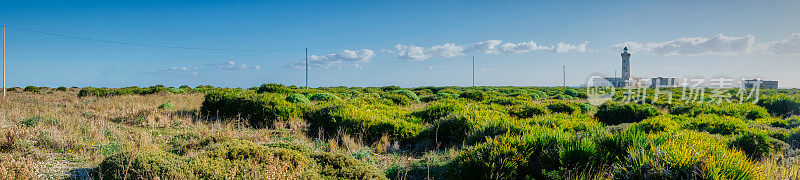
(402,43)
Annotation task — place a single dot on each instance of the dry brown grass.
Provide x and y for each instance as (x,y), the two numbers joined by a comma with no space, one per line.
(73,132)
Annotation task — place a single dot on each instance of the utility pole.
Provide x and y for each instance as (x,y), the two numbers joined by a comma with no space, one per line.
(4,61)
(564,70)
(473,71)
(306,68)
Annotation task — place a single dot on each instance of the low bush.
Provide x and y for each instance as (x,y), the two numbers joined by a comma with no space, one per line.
(613,113)
(439,109)
(528,110)
(716,124)
(573,93)
(260,109)
(657,124)
(32,89)
(62,88)
(166,106)
(685,155)
(398,99)
(410,94)
(781,105)
(755,145)
(542,154)
(145,165)
(297,98)
(274,88)
(794,138)
(340,166)
(568,107)
(105,92)
(236,159)
(472,124)
(324,97)
(366,120)
(575,123)
(473,94)
(746,111)
(537,95)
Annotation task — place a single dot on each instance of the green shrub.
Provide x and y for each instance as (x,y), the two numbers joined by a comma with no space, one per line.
(572,92)
(166,106)
(755,145)
(32,121)
(716,124)
(324,97)
(613,113)
(236,159)
(578,123)
(781,105)
(260,109)
(367,120)
(411,95)
(340,166)
(297,98)
(528,110)
(62,88)
(145,165)
(543,154)
(794,138)
(563,97)
(32,89)
(568,107)
(538,95)
(175,90)
(474,95)
(390,88)
(685,155)
(746,111)
(471,124)
(398,99)
(439,109)
(274,88)
(658,124)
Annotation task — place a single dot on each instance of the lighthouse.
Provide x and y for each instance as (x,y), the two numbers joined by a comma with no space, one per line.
(626,64)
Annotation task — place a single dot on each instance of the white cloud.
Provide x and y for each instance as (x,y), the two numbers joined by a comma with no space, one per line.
(719,44)
(790,46)
(337,60)
(181,70)
(412,52)
(434,67)
(195,70)
(231,65)
(562,47)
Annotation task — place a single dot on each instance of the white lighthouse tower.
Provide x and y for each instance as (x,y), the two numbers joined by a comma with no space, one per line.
(626,65)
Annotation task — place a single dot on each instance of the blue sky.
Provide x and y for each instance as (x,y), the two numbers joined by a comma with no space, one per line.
(405,43)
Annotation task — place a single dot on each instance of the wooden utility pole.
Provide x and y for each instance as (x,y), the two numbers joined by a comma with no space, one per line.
(4,61)
(564,70)
(473,71)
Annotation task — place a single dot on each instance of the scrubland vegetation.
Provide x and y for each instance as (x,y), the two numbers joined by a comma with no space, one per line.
(285,132)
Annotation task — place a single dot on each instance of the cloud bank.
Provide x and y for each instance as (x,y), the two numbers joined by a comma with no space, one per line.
(337,60)
(195,70)
(718,44)
(412,52)
(788,46)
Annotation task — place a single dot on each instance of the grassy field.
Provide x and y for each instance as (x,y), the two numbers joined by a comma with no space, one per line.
(279,132)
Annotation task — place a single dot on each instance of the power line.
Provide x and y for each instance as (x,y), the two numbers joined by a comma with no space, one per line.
(148,45)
